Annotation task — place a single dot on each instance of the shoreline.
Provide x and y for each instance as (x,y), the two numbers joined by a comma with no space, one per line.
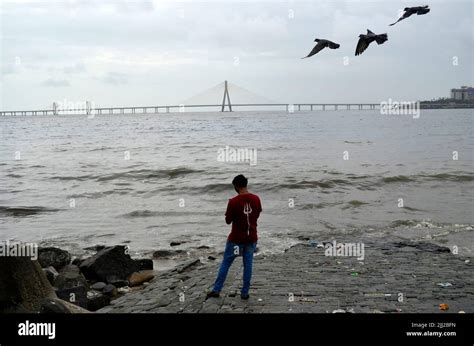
(396,276)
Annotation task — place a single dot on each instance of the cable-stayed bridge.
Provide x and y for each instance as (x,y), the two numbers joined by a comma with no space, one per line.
(222,97)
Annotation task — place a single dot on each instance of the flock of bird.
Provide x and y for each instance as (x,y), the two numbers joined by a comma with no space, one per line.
(366,39)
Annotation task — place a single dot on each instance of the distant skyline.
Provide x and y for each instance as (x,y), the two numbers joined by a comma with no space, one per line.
(144,52)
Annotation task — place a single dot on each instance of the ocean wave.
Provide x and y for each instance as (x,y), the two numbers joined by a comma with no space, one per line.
(100,194)
(12,175)
(24,211)
(151,213)
(322,205)
(454,176)
(140,174)
(397,179)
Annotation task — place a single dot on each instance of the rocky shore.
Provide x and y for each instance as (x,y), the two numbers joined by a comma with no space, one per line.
(395,276)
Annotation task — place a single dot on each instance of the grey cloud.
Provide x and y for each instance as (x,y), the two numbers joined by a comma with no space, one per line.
(54,83)
(115,78)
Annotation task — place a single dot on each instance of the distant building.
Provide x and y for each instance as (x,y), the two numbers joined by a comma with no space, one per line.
(463,94)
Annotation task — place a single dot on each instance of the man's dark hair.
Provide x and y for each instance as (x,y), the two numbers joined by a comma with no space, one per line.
(240,181)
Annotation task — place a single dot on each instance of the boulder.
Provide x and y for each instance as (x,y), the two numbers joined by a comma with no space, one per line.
(140,277)
(175,243)
(96,300)
(111,261)
(98,286)
(23,285)
(166,253)
(70,276)
(54,257)
(117,282)
(95,248)
(110,290)
(75,295)
(51,274)
(58,306)
(144,264)
(77,261)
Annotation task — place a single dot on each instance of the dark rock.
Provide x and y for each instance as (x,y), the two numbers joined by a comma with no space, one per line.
(117,283)
(96,300)
(188,266)
(54,257)
(212,258)
(166,253)
(59,306)
(95,248)
(110,290)
(99,286)
(203,247)
(175,243)
(423,246)
(303,238)
(51,274)
(77,261)
(138,278)
(23,285)
(111,261)
(70,276)
(144,264)
(75,295)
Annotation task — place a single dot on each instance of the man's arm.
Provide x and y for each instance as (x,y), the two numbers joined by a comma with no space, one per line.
(259,208)
(228,214)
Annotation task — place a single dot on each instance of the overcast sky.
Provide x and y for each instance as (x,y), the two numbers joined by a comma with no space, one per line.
(154,52)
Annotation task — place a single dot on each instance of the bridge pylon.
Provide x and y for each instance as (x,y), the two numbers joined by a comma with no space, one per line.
(226,95)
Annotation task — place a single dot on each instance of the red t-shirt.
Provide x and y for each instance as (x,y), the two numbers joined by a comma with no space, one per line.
(243,212)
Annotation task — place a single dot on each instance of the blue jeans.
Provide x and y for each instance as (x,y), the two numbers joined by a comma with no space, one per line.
(231,251)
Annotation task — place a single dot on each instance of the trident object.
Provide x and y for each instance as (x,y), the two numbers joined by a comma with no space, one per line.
(248,211)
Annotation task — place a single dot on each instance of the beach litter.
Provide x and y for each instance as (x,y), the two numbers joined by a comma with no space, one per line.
(377,295)
(445,284)
(355,274)
(443,307)
(123,290)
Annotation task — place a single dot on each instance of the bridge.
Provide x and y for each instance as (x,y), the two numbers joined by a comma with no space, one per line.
(221,91)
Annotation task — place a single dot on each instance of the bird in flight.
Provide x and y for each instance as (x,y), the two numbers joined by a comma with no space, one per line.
(419,10)
(321,45)
(365,40)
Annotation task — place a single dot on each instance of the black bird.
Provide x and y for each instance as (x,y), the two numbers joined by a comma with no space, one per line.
(419,10)
(365,40)
(321,45)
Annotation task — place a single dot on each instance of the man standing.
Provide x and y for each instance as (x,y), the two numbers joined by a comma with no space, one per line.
(242,212)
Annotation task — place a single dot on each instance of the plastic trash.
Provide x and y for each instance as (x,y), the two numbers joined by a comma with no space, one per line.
(355,274)
(443,307)
(467,261)
(339,311)
(124,289)
(461,312)
(445,284)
